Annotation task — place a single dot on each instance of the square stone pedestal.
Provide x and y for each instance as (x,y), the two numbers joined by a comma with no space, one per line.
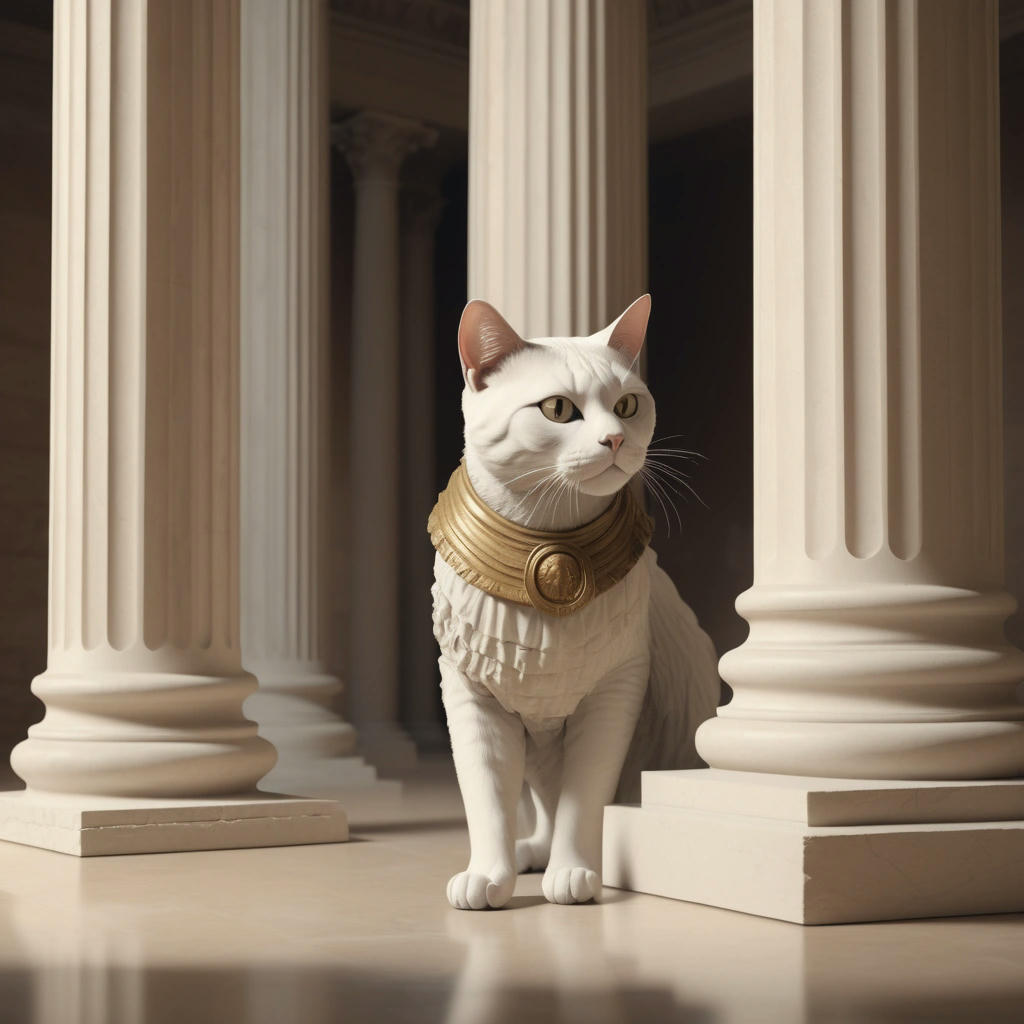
(821,851)
(88,826)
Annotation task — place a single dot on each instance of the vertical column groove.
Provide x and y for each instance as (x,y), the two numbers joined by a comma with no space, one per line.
(558,169)
(284,433)
(876,645)
(144,686)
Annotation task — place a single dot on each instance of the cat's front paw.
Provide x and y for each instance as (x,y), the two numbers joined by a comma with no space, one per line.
(474,890)
(570,884)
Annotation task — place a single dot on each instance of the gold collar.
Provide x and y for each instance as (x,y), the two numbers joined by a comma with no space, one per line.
(554,571)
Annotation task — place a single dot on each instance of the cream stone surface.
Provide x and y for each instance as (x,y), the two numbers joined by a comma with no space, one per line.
(821,851)
(558,162)
(375,145)
(361,931)
(95,827)
(876,645)
(144,682)
(284,381)
(834,801)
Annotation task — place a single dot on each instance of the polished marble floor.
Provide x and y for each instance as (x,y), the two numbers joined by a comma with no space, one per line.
(361,932)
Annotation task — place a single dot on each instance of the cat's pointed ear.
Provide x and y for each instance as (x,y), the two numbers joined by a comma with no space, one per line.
(485,340)
(626,335)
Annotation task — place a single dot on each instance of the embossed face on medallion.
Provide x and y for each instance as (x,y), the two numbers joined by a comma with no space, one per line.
(559,577)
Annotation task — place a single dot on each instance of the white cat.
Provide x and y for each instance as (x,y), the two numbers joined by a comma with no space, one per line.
(555,428)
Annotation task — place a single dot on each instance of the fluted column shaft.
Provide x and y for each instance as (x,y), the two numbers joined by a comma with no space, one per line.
(144,683)
(876,645)
(420,679)
(375,145)
(284,322)
(558,161)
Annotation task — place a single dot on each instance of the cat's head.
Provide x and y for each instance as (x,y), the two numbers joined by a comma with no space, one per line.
(571,409)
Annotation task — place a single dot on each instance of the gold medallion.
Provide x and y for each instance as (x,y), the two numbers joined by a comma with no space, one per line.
(559,578)
(555,571)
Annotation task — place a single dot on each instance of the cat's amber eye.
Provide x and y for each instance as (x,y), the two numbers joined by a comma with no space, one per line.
(626,406)
(559,409)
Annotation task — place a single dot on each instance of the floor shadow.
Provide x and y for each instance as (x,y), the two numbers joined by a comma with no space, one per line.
(522,902)
(389,827)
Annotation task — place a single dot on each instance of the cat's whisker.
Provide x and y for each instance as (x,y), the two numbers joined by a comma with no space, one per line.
(681,453)
(529,472)
(562,491)
(674,475)
(650,483)
(677,453)
(548,497)
(556,496)
(667,478)
(540,483)
(664,490)
(531,514)
(673,451)
(545,480)
(670,460)
(668,437)
(670,472)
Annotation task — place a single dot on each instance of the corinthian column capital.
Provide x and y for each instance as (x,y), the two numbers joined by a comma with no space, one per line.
(376,143)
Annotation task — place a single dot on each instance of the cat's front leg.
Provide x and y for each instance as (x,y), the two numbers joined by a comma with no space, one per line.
(488,745)
(544,777)
(597,737)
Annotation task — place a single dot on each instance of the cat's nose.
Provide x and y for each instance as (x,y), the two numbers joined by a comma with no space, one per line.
(612,441)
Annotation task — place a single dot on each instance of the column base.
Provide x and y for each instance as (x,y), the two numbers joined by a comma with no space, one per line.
(821,851)
(92,826)
(389,748)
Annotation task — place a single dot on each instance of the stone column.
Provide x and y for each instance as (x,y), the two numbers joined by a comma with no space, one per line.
(558,161)
(876,649)
(375,145)
(876,646)
(285,376)
(421,689)
(144,730)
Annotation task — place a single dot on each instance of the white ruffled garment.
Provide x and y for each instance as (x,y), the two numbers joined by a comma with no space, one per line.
(536,665)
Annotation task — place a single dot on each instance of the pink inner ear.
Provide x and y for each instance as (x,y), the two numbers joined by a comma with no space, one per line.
(630,329)
(485,340)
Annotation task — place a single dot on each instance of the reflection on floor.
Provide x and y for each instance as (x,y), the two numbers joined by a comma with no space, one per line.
(361,932)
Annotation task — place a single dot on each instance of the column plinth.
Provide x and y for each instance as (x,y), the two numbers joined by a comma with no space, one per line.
(375,145)
(876,647)
(144,682)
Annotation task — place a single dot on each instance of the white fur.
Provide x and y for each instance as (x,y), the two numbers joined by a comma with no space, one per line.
(546,701)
